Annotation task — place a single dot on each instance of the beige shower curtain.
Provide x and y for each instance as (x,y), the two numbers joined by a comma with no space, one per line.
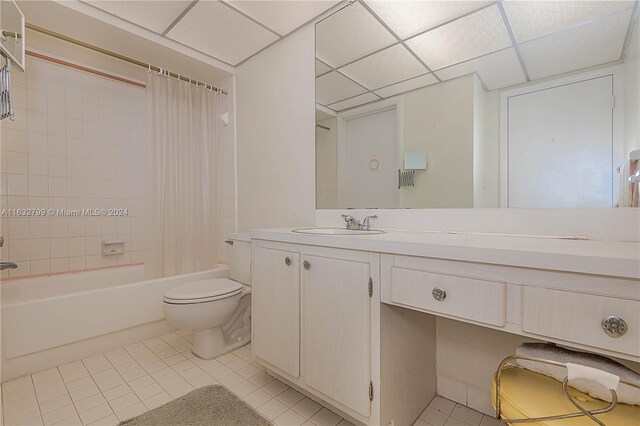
(183,174)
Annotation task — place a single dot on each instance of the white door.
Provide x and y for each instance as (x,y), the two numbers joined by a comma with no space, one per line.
(336,330)
(275,316)
(560,146)
(371,167)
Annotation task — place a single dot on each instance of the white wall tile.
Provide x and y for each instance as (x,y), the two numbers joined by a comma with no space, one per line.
(77,246)
(78,142)
(38,165)
(17,184)
(39,227)
(17,162)
(57,166)
(40,249)
(40,267)
(59,248)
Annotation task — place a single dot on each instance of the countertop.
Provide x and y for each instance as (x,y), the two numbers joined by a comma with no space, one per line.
(609,258)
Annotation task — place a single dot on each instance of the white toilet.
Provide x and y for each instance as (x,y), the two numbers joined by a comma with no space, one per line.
(217,309)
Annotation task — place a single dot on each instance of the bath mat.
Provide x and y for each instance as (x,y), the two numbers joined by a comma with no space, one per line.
(211,405)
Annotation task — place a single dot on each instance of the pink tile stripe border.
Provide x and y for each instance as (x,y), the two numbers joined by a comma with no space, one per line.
(77,271)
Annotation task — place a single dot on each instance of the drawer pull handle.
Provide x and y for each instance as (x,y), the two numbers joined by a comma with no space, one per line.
(614,326)
(287,261)
(438,293)
(306,265)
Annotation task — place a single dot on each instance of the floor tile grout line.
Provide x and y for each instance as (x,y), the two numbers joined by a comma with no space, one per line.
(33,385)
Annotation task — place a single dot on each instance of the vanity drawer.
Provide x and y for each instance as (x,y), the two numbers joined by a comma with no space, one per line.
(467,298)
(576,317)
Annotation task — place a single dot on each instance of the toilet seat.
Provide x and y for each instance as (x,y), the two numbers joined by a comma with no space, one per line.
(202,291)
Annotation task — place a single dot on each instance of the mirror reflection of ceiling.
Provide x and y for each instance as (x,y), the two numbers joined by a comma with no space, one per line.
(372,50)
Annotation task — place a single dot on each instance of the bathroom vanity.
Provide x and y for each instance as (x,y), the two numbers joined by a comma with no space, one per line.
(351,319)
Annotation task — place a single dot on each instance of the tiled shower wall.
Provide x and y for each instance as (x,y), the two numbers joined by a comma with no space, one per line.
(76,143)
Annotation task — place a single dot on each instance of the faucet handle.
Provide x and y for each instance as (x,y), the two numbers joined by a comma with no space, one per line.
(366,226)
(352,223)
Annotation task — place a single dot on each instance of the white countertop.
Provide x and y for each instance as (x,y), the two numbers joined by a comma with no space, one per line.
(611,258)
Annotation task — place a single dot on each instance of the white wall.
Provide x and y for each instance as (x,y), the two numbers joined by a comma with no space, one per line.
(439,120)
(228,199)
(326,164)
(632,93)
(275,107)
(486,147)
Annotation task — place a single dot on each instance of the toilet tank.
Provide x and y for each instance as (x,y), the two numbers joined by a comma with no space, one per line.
(240,258)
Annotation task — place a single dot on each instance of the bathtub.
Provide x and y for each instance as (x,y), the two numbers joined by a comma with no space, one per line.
(47,321)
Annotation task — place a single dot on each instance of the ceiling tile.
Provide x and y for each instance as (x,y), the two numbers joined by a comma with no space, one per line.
(531,19)
(349,35)
(389,66)
(334,87)
(354,102)
(154,15)
(405,86)
(587,45)
(321,68)
(469,37)
(408,18)
(283,16)
(496,70)
(218,31)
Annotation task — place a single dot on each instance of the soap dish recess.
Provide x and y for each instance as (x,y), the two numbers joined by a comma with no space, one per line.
(110,248)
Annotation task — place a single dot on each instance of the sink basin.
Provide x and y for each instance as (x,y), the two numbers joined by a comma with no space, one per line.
(335,231)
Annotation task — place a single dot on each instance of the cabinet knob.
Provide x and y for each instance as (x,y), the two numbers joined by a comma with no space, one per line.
(306,265)
(287,261)
(614,326)
(438,293)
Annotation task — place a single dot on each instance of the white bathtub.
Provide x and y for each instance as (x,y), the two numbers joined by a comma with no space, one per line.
(47,321)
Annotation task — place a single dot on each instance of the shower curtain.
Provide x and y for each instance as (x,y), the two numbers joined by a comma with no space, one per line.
(183,174)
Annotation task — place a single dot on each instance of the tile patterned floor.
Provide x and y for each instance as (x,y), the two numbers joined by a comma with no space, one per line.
(122,383)
(442,412)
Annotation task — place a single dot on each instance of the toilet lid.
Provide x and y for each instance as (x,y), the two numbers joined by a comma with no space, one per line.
(203,289)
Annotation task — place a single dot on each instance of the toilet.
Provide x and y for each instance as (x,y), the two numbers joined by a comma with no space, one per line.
(217,309)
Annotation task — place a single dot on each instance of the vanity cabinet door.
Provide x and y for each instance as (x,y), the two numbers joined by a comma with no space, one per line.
(276,308)
(336,329)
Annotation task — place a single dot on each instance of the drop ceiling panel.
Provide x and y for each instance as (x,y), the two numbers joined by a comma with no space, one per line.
(354,102)
(334,87)
(408,18)
(321,68)
(466,38)
(154,15)
(282,16)
(219,31)
(496,70)
(587,45)
(389,66)
(405,86)
(349,35)
(534,19)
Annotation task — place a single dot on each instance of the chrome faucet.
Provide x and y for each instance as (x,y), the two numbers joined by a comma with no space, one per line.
(355,225)
(366,226)
(7,265)
(352,222)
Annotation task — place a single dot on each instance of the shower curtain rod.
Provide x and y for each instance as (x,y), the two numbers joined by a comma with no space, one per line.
(119,56)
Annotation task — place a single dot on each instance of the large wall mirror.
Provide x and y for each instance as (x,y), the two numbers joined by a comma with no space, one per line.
(456,104)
